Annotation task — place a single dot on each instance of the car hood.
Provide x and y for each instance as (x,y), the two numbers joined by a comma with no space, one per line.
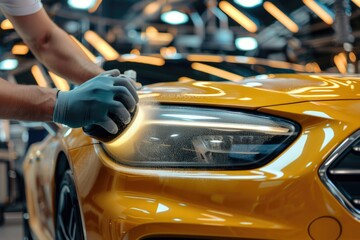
(256,92)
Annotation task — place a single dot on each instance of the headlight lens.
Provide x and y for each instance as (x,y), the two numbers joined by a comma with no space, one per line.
(194,137)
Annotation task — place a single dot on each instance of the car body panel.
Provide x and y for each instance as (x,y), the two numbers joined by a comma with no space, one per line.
(255,92)
(283,199)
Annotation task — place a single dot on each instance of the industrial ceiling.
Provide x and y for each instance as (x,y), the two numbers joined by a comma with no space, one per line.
(298,31)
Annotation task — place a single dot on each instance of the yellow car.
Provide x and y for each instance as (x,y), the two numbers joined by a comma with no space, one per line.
(261,157)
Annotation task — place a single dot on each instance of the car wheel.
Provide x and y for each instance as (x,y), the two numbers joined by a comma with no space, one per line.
(68,219)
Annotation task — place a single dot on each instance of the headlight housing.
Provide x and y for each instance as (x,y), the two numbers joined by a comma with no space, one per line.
(195,137)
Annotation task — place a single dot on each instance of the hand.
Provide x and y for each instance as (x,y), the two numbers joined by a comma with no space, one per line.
(92,101)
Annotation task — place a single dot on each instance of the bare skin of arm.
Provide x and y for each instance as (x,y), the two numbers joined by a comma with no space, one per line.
(54,48)
(29,103)
(57,51)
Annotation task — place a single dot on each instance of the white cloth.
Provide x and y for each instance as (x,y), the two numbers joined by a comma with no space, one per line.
(20,7)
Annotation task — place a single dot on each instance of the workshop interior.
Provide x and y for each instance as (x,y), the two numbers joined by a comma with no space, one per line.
(247,125)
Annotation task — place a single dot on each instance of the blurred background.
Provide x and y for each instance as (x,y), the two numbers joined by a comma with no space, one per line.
(321,35)
(301,35)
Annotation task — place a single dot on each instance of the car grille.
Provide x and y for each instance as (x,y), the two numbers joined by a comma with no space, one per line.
(341,174)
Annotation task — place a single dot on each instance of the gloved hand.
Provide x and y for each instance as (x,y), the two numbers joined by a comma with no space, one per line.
(92,101)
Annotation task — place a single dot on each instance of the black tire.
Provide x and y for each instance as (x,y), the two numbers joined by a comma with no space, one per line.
(68,219)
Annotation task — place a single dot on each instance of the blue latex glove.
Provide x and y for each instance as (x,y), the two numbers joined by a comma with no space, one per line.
(92,101)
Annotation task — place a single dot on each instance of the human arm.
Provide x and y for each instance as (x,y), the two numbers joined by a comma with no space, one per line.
(53,47)
(90,103)
(30,103)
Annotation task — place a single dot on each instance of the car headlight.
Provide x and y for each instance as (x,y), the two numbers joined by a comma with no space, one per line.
(195,137)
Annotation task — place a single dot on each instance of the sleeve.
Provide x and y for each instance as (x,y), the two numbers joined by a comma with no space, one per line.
(20,7)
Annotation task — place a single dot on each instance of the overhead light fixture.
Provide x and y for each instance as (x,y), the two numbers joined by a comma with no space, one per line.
(154,37)
(20,49)
(341,62)
(204,58)
(248,3)
(8,64)
(142,59)
(357,2)
(281,17)
(216,72)
(6,25)
(59,82)
(101,46)
(174,17)
(39,76)
(320,10)
(152,8)
(95,6)
(84,49)
(238,16)
(82,5)
(246,43)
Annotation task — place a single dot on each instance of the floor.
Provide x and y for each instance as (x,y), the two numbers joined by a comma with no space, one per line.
(12,230)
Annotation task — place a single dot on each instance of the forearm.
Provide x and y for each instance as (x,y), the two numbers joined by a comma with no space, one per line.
(61,55)
(54,47)
(28,103)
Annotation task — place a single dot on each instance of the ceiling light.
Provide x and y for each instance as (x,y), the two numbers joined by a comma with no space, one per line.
(6,25)
(95,6)
(246,43)
(39,76)
(59,82)
(281,17)
(20,49)
(84,49)
(83,4)
(248,3)
(101,45)
(152,8)
(357,2)
(216,72)
(174,17)
(319,10)
(238,16)
(8,64)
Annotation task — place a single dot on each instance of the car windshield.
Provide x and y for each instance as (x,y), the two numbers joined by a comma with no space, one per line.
(177,69)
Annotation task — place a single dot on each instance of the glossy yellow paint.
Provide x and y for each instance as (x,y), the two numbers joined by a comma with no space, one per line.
(256,92)
(283,199)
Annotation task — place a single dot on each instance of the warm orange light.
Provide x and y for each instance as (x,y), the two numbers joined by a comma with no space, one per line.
(19,49)
(340,64)
(6,25)
(216,72)
(319,11)
(312,67)
(281,17)
(155,37)
(101,46)
(135,51)
(152,8)
(265,62)
(342,58)
(168,51)
(59,82)
(185,79)
(352,57)
(357,2)
(204,58)
(95,7)
(144,59)
(238,16)
(39,76)
(85,50)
